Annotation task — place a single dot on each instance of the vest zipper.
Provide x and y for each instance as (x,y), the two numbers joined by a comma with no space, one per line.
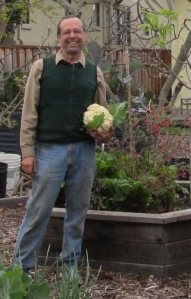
(72,83)
(71,93)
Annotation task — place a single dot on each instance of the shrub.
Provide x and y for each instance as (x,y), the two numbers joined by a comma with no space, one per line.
(135,174)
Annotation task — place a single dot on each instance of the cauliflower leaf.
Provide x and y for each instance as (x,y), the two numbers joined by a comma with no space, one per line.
(96,122)
(118,111)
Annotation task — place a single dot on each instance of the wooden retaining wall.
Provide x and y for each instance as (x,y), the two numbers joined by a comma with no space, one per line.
(130,242)
(140,243)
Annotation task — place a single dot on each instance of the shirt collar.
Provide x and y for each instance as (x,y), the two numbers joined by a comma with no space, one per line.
(60,57)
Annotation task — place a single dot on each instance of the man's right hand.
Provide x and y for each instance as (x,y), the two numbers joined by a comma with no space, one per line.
(29,165)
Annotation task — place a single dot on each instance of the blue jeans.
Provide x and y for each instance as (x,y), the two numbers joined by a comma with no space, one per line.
(75,164)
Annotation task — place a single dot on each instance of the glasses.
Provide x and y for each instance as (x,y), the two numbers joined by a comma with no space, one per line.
(75,32)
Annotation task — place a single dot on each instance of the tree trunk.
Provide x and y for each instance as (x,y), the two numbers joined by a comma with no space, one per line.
(176,92)
(183,55)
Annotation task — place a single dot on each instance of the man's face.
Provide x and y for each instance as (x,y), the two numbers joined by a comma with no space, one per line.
(72,36)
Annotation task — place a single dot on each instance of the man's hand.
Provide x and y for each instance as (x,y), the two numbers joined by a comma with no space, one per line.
(101,137)
(29,165)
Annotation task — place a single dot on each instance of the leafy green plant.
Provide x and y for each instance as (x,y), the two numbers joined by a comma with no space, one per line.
(46,281)
(13,84)
(159,25)
(119,113)
(110,73)
(136,174)
(16,284)
(138,183)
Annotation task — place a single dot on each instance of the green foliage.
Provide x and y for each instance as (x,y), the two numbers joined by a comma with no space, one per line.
(134,65)
(135,183)
(119,112)
(40,291)
(97,121)
(175,130)
(85,50)
(110,73)
(16,284)
(161,28)
(16,12)
(64,283)
(12,86)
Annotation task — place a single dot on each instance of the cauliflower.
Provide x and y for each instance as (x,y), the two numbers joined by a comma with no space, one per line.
(98,117)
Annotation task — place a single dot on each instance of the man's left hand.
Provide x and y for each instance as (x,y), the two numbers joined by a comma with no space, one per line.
(101,137)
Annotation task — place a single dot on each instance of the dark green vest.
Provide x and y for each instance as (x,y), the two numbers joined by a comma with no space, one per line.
(66,90)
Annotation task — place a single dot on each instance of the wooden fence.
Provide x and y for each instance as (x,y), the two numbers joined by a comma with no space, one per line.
(14,56)
(153,70)
(150,77)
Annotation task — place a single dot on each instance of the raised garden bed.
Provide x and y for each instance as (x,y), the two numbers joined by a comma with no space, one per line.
(140,243)
(157,244)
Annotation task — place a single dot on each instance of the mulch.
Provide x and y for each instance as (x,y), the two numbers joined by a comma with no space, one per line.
(109,285)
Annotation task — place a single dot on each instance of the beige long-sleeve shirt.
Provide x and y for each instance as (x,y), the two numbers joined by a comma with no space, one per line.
(31,100)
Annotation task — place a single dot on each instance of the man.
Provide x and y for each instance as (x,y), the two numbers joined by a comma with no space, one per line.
(55,146)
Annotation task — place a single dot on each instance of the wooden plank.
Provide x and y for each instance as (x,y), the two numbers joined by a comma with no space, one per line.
(178,268)
(176,216)
(13,201)
(185,184)
(178,252)
(55,227)
(28,59)
(117,216)
(112,231)
(102,249)
(22,58)
(126,231)
(15,63)
(177,231)
(51,245)
(132,252)
(139,269)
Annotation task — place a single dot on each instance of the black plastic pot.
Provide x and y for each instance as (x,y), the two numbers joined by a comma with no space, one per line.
(3,179)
